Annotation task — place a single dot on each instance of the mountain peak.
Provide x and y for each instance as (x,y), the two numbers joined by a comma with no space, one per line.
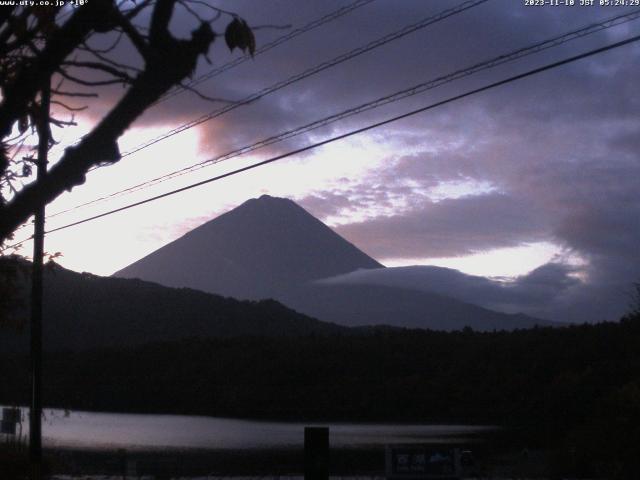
(265,198)
(270,247)
(269,205)
(256,250)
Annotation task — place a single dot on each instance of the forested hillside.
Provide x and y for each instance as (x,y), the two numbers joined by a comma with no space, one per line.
(84,311)
(575,388)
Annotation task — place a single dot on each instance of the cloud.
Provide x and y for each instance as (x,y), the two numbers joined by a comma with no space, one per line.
(452,227)
(540,292)
(549,158)
(556,151)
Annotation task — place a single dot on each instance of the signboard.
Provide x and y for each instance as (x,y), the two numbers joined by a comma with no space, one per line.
(132,468)
(422,462)
(8,428)
(11,415)
(10,418)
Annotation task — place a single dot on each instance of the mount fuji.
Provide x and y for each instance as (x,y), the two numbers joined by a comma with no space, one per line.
(272,248)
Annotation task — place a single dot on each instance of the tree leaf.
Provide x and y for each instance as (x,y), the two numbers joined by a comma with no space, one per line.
(249,40)
(232,34)
(239,34)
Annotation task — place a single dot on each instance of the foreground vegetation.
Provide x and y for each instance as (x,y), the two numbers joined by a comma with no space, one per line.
(574,390)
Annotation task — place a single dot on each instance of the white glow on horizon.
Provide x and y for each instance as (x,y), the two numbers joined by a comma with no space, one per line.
(110,243)
(500,262)
(459,189)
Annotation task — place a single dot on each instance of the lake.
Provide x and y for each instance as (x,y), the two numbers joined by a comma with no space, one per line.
(92,430)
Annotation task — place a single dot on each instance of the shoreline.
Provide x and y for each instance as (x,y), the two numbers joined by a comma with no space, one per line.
(344,462)
(215,462)
(493,455)
(292,419)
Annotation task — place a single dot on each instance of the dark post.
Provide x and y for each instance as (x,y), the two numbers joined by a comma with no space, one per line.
(316,453)
(122,453)
(35,417)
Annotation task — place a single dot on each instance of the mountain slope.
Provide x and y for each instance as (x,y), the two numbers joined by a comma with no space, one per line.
(272,248)
(359,305)
(258,250)
(84,311)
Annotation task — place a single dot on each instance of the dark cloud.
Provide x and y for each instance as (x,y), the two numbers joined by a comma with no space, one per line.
(330,203)
(560,151)
(575,187)
(451,227)
(552,157)
(488,30)
(627,142)
(537,293)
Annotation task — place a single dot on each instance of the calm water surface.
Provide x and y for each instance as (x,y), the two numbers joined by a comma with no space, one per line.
(77,429)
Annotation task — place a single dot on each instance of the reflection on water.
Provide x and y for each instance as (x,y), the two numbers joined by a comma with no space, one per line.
(78,429)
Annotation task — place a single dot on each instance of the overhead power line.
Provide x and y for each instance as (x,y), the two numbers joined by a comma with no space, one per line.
(314,70)
(469,93)
(277,42)
(318,68)
(268,46)
(414,90)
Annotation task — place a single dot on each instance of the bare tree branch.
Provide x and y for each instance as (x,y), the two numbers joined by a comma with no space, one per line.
(159,30)
(88,83)
(109,61)
(203,96)
(62,123)
(48,53)
(171,61)
(124,76)
(63,41)
(132,13)
(68,107)
(136,38)
(74,94)
(108,49)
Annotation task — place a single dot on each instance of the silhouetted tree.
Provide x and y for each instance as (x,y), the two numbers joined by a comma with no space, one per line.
(43,44)
(634,307)
(46,46)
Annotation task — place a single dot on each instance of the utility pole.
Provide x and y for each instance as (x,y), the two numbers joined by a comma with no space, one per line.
(35,417)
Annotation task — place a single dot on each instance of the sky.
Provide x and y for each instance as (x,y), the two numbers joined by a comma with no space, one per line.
(526,196)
